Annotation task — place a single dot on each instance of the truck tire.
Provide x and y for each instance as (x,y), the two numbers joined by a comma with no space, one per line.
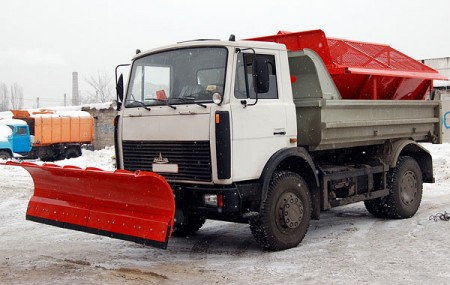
(5,155)
(48,159)
(405,184)
(285,215)
(71,153)
(375,207)
(191,225)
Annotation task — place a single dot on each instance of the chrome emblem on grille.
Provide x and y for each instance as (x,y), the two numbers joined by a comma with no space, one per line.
(160,159)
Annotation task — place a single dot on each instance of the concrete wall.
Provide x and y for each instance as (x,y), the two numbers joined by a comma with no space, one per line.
(103,126)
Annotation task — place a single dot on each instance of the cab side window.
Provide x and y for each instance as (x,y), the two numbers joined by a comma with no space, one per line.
(21,131)
(243,88)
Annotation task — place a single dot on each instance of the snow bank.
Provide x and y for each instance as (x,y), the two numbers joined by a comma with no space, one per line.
(103,159)
(6,115)
(99,106)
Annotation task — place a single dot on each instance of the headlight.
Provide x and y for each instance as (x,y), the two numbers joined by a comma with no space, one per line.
(213,200)
(217,98)
(210,200)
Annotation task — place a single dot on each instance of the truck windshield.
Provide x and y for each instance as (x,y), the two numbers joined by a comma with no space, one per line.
(182,76)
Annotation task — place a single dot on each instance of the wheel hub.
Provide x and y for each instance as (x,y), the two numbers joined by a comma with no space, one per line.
(290,210)
(408,187)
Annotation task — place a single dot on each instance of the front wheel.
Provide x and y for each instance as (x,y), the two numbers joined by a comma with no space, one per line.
(285,215)
(5,155)
(190,226)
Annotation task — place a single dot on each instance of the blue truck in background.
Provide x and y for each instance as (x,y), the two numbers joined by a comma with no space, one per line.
(15,138)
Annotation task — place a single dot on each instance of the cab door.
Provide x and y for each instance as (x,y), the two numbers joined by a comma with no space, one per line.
(258,120)
(21,140)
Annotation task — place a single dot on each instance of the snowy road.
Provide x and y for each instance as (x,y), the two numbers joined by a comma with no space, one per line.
(347,246)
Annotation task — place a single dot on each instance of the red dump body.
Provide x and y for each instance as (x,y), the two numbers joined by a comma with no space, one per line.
(363,70)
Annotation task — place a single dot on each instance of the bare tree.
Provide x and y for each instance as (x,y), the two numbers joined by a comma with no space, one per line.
(103,89)
(16,96)
(4,97)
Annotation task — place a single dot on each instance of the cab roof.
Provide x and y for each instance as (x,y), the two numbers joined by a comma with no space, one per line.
(214,43)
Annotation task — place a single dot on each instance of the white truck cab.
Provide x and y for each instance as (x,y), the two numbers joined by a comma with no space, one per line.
(184,94)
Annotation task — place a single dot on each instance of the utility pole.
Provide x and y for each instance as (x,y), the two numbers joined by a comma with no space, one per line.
(37,102)
(65,100)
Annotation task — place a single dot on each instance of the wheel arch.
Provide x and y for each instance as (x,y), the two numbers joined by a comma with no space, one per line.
(297,160)
(414,150)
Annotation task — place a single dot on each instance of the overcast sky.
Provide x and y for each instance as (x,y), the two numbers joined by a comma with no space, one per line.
(42,42)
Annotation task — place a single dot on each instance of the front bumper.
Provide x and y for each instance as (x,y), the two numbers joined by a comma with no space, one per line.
(238,201)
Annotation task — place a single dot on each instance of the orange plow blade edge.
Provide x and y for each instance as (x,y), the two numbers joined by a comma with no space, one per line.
(134,206)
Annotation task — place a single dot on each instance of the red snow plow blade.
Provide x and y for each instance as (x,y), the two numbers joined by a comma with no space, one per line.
(134,206)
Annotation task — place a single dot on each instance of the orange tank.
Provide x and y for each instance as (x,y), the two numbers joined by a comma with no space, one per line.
(50,127)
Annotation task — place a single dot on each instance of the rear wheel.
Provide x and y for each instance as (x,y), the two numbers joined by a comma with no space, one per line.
(190,226)
(405,185)
(71,153)
(375,207)
(48,158)
(286,213)
(5,155)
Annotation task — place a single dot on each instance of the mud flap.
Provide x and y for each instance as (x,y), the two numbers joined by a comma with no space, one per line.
(134,206)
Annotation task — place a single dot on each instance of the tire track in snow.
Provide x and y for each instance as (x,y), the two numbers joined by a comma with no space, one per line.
(200,249)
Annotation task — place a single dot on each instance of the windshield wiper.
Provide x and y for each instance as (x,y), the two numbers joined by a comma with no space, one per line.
(187,98)
(141,104)
(163,100)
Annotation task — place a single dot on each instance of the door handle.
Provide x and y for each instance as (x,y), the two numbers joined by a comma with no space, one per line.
(281,133)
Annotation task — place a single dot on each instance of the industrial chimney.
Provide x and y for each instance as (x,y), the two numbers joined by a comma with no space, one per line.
(75,92)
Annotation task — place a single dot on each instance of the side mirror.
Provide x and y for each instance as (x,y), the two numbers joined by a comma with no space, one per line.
(260,74)
(119,88)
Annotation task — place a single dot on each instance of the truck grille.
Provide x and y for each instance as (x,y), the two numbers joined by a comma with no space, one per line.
(193,158)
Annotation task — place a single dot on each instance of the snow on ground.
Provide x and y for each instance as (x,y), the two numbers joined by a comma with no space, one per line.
(347,246)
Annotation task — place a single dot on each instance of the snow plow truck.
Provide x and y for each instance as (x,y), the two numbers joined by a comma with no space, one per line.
(268,131)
